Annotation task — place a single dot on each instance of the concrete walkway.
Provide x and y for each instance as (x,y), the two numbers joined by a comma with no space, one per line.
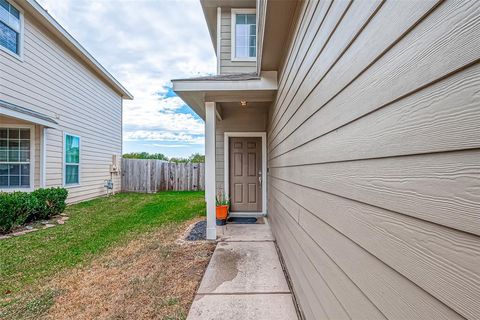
(244,279)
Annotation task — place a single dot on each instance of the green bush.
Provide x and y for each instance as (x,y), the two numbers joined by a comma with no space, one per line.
(16,208)
(7,214)
(51,202)
(25,205)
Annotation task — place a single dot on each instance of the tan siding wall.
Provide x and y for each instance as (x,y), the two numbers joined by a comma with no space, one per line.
(236,120)
(228,66)
(52,81)
(374,149)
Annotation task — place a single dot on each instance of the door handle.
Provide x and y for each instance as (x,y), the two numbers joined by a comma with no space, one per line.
(260,178)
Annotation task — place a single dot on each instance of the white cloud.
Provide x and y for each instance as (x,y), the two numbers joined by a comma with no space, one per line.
(169,145)
(143,135)
(145,44)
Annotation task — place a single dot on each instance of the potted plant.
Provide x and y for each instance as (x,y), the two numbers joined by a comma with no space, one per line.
(222,206)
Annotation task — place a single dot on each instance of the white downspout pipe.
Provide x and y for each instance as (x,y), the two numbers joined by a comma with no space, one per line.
(219,37)
(210,188)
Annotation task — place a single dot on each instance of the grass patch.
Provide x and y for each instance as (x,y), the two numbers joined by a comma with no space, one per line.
(30,305)
(93,227)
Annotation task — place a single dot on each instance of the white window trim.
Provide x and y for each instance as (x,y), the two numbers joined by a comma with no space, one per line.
(18,55)
(226,148)
(233,20)
(64,168)
(32,156)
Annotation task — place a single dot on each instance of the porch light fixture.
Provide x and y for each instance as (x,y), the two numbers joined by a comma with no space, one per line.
(243,103)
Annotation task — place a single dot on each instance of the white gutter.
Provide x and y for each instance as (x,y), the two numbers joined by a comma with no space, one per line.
(261,17)
(267,81)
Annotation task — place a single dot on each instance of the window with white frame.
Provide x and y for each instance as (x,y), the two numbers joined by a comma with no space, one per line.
(72,159)
(15,158)
(10,27)
(244,34)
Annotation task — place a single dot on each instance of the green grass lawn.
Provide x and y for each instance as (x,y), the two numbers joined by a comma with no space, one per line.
(93,227)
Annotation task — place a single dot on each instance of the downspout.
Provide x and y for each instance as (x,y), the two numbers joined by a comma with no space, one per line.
(219,36)
(261,17)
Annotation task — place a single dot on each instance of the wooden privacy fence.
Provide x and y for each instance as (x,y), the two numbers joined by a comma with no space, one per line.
(151,176)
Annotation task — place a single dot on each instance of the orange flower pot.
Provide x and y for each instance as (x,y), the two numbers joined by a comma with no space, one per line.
(221,212)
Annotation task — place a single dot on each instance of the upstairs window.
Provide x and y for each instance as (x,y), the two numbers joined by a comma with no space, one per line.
(244,35)
(10,27)
(72,159)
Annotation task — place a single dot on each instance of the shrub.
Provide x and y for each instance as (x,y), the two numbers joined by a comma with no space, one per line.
(25,205)
(7,214)
(16,208)
(51,202)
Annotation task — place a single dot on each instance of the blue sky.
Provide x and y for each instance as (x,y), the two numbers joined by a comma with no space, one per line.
(145,44)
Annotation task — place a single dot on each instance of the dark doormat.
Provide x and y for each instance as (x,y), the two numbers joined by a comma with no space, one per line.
(242,220)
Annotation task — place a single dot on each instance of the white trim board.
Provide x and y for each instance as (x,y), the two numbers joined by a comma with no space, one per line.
(43,156)
(210,169)
(226,165)
(219,37)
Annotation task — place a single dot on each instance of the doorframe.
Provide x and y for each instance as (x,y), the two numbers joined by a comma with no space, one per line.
(226,148)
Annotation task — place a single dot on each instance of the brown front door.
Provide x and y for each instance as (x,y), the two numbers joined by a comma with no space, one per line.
(245,185)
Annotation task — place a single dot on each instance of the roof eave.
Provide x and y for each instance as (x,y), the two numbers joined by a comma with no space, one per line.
(21,113)
(195,92)
(267,81)
(211,20)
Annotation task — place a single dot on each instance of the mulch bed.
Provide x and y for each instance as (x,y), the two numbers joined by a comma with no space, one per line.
(198,232)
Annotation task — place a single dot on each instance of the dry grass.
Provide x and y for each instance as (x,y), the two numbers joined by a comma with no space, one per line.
(152,277)
(115,257)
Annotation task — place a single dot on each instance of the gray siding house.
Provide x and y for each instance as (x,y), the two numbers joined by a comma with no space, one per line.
(354,126)
(60,110)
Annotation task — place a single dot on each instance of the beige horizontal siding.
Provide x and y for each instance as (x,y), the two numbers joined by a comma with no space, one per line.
(52,81)
(299,32)
(393,295)
(373,160)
